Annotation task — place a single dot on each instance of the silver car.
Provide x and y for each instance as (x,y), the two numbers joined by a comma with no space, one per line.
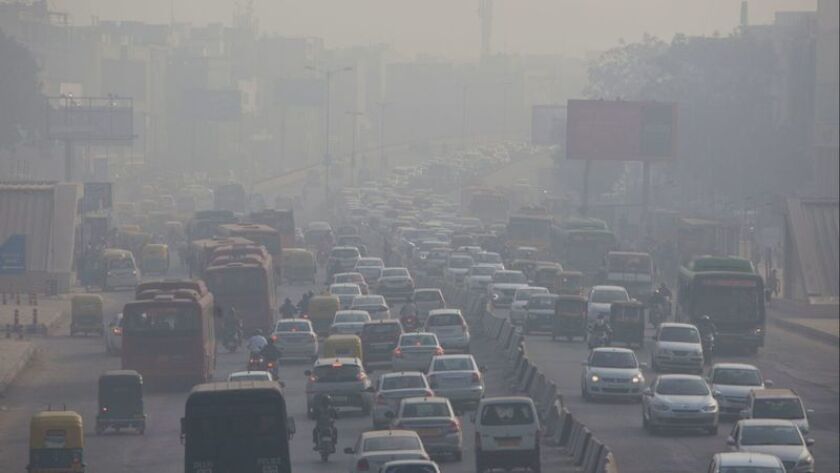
(679,401)
(457,378)
(612,372)
(778,437)
(678,348)
(346,293)
(391,388)
(295,338)
(435,422)
(520,300)
(734,381)
(349,322)
(427,300)
(728,462)
(451,329)
(344,379)
(414,351)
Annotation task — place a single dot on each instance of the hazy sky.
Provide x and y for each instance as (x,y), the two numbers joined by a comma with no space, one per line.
(451,27)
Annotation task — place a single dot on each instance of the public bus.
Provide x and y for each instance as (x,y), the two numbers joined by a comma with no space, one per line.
(282,220)
(730,292)
(632,270)
(205,223)
(584,250)
(168,333)
(260,234)
(240,427)
(245,283)
(529,229)
(201,252)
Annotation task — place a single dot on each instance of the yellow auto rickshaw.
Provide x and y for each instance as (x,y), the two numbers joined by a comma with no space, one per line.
(154,258)
(569,283)
(298,265)
(343,346)
(56,443)
(86,314)
(322,311)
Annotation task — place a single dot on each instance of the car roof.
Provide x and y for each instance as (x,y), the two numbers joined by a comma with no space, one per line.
(504,399)
(606,287)
(395,374)
(299,320)
(343,284)
(351,311)
(349,273)
(422,399)
(406,334)
(734,366)
(427,289)
(772,422)
(680,376)
(344,247)
(675,324)
(243,373)
(612,350)
(753,459)
(444,311)
(342,360)
(774,393)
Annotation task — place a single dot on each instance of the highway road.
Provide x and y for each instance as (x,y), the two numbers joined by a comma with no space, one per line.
(66,371)
(791,361)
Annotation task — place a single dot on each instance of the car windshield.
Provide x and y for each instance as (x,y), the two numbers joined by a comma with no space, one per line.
(509,277)
(345,290)
(336,373)
(679,334)
(348,317)
(403,382)
(525,294)
(454,364)
(392,442)
(368,301)
(395,272)
(482,270)
(770,435)
(427,296)
(460,262)
(418,340)
(604,296)
(348,278)
(418,468)
(682,387)
(380,329)
(345,253)
(789,408)
(426,409)
(737,377)
(750,469)
(292,327)
(507,413)
(439,320)
(613,359)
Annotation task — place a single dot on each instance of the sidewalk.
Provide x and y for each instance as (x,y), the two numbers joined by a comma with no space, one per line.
(15,354)
(817,322)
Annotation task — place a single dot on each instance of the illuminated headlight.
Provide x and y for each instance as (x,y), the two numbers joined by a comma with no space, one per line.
(808,460)
(661,407)
(496,296)
(636,379)
(758,331)
(595,378)
(710,408)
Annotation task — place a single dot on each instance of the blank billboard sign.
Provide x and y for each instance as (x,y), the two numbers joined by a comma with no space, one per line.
(601,130)
(548,125)
(91,119)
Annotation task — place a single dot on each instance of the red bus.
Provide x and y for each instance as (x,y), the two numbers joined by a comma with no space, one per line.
(168,333)
(260,234)
(245,283)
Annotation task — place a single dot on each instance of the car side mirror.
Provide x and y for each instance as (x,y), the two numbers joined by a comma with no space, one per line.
(717,394)
(768,383)
(308,372)
(349,451)
(810,442)
(730,441)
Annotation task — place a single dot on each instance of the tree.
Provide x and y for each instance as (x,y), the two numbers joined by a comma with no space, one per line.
(21,102)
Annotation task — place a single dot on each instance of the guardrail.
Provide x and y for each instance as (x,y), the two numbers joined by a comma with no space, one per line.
(584,452)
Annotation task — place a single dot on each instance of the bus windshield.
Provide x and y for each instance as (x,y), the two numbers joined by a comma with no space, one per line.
(160,320)
(236,281)
(727,303)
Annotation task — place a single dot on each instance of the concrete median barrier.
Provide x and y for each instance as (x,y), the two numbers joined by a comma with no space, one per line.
(593,452)
(525,382)
(579,452)
(606,462)
(575,437)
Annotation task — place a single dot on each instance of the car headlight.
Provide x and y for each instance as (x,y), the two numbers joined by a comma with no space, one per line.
(698,352)
(808,460)
(713,407)
(595,378)
(636,379)
(661,407)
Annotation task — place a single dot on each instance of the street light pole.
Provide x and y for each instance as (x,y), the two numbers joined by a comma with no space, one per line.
(328,75)
(355,116)
(464,115)
(382,163)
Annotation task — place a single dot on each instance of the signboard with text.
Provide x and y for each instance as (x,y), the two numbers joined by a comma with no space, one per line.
(13,255)
(602,130)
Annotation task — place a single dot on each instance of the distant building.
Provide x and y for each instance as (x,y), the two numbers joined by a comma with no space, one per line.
(827,111)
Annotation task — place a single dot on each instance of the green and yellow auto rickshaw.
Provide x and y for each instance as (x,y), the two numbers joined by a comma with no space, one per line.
(56,443)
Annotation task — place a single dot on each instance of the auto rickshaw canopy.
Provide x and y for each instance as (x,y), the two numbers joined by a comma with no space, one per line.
(56,429)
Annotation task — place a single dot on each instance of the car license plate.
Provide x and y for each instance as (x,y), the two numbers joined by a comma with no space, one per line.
(428,432)
(340,398)
(508,441)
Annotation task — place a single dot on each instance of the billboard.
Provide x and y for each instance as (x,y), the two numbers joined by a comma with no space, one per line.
(91,119)
(602,130)
(13,255)
(97,196)
(548,125)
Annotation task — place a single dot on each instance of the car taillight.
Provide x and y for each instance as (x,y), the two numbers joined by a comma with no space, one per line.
(273,338)
(429,393)
(313,378)
(398,353)
(453,427)
(361,377)
(362,465)
(438,351)
(117,330)
(476,377)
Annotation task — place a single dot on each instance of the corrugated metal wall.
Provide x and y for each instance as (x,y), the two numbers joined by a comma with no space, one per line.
(29,209)
(814,227)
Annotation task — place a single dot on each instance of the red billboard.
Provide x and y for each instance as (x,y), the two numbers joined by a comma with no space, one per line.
(602,130)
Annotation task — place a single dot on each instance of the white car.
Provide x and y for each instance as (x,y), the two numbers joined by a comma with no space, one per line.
(490,259)
(410,466)
(450,327)
(434,420)
(345,292)
(370,261)
(295,338)
(113,335)
(520,300)
(612,372)
(391,388)
(479,276)
(375,305)
(778,437)
(678,348)
(352,278)
(457,378)
(728,462)
(601,299)
(349,322)
(507,433)
(395,282)
(343,258)
(414,351)
(501,295)
(778,403)
(370,273)
(374,449)
(457,267)
(734,381)
(250,376)
(679,401)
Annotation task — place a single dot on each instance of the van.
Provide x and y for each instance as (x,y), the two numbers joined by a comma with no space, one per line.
(507,433)
(777,404)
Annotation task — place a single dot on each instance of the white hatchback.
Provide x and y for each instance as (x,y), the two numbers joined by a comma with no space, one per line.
(295,338)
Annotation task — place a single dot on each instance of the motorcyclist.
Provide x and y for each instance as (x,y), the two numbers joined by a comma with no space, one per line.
(271,355)
(287,310)
(303,305)
(256,343)
(408,312)
(232,325)
(708,334)
(601,327)
(325,415)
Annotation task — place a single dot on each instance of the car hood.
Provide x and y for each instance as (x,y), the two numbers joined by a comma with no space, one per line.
(595,307)
(377,459)
(480,278)
(681,346)
(786,453)
(614,372)
(684,402)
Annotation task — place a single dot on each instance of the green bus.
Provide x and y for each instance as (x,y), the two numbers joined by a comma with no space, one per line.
(582,244)
(730,292)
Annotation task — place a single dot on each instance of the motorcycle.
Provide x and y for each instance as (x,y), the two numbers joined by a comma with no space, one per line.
(708,342)
(598,338)
(409,322)
(659,313)
(232,340)
(326,444)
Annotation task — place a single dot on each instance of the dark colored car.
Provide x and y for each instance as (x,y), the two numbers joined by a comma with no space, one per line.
(379,338)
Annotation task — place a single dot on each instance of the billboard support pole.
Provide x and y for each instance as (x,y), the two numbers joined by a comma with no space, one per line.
(645,197)
(68,160)
(584,207)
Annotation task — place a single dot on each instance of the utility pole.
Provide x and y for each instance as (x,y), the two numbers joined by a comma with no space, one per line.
(505,86)
(328,75)
(485,12)
(382,161)
(355,116)
(464,114)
